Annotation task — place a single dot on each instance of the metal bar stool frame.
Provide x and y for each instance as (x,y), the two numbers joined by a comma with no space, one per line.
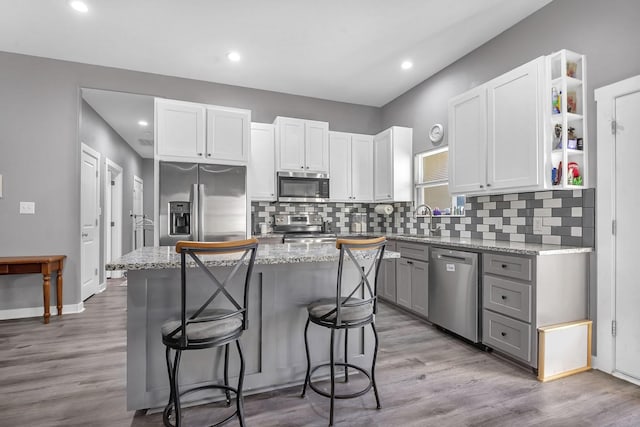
(182,343)
(334,321)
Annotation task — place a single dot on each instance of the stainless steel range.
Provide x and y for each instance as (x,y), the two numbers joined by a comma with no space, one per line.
(302,228)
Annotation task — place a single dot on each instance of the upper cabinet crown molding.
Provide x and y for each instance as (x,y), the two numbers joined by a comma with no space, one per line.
(188,131)
(302,145)
(501,133)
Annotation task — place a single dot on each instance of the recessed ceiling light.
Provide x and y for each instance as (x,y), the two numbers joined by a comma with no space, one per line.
(233,56)
(80,6)
(406,65)
(143,123)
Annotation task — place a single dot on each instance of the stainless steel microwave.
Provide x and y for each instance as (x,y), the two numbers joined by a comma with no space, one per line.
(303,187)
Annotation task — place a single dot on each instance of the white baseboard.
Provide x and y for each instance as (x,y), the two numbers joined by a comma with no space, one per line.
(21,313)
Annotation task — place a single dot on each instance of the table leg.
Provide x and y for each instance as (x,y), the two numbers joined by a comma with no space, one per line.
(59,291)
(46,286)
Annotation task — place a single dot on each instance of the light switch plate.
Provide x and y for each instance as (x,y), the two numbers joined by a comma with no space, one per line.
(28,208)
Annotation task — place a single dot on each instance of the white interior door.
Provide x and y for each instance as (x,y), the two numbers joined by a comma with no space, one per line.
(627,251)
(138,220)
(90,221)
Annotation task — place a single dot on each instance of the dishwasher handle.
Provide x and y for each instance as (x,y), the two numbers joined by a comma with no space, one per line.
(451,257)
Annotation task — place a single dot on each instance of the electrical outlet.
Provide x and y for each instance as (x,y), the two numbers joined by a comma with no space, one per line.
(27,208)
(537,224)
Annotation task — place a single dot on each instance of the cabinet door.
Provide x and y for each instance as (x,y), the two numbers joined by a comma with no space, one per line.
(403,282)
(419,287)
(262,167)
(362,168)
(340,167)
(383,169)
(291,144)
(387,283)
(228,135)
(316,146)
(180,129)
(468,142)
(515,133)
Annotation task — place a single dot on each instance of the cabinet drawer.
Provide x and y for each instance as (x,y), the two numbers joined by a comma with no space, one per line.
(508,335)
(509,266)
(507,297)
(417,251)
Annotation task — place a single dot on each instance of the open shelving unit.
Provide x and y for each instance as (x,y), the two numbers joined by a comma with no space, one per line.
(566,124)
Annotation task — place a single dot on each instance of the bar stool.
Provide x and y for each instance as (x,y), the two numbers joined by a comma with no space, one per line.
(348,312)
(205,327)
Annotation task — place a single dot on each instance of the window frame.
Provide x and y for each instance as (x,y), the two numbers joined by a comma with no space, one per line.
(420,184)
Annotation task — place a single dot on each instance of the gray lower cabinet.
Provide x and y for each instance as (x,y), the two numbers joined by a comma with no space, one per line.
(522,293)
(412,277)
(387,276)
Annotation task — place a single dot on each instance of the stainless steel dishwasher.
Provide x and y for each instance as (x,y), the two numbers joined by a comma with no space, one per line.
(453,292)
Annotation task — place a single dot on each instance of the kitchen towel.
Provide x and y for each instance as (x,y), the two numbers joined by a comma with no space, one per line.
(383,209)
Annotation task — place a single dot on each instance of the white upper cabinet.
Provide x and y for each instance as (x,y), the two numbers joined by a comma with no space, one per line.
(351,167)
(302,145)
(393,165)
(180,129)
(187,131)
(515,134)
(496,140)
(262,163)
(228,134)
(468,141)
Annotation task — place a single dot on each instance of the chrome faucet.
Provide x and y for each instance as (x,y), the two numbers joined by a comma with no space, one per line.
(433,229)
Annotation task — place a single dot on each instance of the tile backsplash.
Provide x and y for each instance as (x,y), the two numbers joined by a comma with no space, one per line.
(565,217)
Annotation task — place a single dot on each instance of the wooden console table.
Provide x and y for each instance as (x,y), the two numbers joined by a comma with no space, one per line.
(44,265)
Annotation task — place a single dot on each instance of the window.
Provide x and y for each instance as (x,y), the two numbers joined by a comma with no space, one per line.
(432,182)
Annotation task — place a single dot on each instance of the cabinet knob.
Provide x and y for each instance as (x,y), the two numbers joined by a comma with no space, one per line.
(199,154)
(209,154)
(307,167)
(301,167)
(504,297)
(481,186)
(488,185)
(388,195)
(410,262)
(504,334)
(272,194)
(504,265)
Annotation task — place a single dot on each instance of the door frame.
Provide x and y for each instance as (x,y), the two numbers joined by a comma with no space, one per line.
(605,215)
(113,199)
(134,220)
(85,148)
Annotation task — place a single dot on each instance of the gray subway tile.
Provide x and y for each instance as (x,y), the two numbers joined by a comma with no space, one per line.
(571,241)
(561,231)
(588,236)
(532,238)
(588,217)
(571,202)
(528,220)
(476,235)
(496,198)
(506,220)
(589,198)
(538,203)
(528,212)
(502,236)
(454,233)
(560,211)
(526,196)
(503,205)
(561,194)
(570,221)
(495,212)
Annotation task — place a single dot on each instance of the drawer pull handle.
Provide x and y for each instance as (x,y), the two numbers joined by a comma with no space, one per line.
(504,265)
(503,297)
(504,334)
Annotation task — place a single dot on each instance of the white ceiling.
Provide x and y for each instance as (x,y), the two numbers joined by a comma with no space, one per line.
(122,111)
(343,50)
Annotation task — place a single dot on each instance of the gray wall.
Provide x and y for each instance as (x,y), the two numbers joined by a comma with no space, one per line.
(97,134)
(605,31)
(40,156)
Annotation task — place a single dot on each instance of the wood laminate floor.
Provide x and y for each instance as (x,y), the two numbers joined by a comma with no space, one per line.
(72,373)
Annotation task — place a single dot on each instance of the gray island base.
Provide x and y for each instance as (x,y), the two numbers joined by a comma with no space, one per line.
(286,278)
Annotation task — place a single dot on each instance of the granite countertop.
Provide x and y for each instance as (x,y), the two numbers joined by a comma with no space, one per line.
(518,248)
(160,257)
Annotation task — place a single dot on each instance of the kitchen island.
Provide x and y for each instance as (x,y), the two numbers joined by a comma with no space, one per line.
(286,278)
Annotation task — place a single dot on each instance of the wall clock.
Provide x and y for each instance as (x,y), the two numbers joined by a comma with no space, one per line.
(436,133)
